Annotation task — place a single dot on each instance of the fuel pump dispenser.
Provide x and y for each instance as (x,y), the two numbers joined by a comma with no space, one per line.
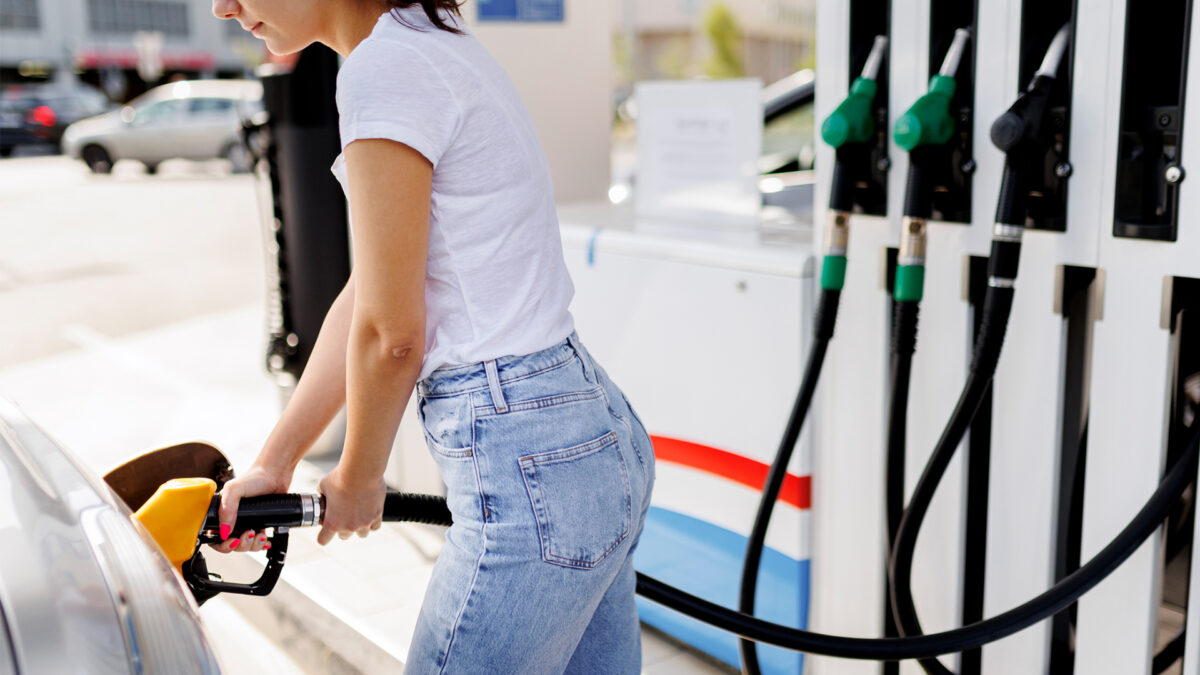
(1068,441)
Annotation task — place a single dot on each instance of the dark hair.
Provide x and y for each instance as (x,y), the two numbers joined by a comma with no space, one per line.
(431,8)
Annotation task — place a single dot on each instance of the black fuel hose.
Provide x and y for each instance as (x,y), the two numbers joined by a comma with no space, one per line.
(826,318)
(1059,597)
(908,291)
(432,510)
(997,307)
(904,343)
(1022,133)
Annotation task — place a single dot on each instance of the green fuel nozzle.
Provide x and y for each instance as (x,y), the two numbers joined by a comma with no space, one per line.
(852,121)
(928,120)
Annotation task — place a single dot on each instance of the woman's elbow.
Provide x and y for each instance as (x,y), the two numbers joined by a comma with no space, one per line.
(398,345)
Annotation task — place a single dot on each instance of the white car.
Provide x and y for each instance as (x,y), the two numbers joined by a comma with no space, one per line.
(191,119)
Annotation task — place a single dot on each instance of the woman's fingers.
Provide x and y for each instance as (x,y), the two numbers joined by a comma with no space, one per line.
(247,542)
(231,496)
(326,534)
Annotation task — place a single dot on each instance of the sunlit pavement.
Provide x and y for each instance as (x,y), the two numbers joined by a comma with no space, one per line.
(133,313)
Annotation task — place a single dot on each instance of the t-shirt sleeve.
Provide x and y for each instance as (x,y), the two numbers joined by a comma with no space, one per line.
(392,91)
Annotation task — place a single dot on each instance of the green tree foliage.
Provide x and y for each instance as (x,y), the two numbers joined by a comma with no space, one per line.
(725,35)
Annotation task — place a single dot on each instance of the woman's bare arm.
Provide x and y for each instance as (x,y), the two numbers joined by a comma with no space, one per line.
(320,393)
(390,192)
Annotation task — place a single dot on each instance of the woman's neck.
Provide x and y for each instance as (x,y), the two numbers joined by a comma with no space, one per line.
(350,23)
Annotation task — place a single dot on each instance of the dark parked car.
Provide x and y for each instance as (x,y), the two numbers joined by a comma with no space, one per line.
(38,114)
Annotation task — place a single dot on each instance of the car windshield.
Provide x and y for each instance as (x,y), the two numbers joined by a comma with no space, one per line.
(788,141)
(159,111)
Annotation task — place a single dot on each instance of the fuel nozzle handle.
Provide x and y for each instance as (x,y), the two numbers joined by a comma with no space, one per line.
(852,121)
(1025,120)
(928,121)
(306,510)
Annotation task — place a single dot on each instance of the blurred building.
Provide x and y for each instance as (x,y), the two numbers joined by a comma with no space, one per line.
(94,40)
(666,38)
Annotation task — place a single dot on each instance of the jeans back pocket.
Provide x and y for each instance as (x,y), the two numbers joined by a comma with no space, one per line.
(581,500)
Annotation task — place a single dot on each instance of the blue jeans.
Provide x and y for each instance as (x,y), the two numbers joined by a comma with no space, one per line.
(548,474)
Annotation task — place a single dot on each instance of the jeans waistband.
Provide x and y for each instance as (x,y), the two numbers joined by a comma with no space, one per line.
(475,376)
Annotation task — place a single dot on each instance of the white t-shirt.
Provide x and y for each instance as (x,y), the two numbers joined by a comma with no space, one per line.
(495,283)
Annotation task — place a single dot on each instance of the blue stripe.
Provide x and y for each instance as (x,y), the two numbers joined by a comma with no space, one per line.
(591,247)
(706,560)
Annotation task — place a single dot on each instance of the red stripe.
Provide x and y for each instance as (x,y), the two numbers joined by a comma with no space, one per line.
(797,490)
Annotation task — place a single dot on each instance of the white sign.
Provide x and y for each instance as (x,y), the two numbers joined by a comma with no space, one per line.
(698,148)
(148,45)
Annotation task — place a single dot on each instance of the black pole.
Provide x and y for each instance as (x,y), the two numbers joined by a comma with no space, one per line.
(310,209)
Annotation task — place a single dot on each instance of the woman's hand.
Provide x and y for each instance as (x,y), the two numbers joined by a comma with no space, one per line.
(352,505)
(259,480)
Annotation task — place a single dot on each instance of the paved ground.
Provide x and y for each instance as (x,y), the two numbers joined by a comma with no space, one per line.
(132,310)
(120,253)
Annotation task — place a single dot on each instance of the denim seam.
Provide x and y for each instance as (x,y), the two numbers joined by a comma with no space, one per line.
(478,562)
(540,403)
(483,509)
(448,453)
(567,453)
(502,380)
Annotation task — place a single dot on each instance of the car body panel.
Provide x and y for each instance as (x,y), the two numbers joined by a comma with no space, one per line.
(56,601)
(55,593)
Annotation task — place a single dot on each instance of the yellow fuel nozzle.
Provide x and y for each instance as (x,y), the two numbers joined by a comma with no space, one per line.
(175,514)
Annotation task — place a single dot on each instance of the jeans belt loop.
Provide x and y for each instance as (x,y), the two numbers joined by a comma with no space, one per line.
(493,378)
(586,359)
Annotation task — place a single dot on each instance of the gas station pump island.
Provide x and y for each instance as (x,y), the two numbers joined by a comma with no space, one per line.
(1014,172)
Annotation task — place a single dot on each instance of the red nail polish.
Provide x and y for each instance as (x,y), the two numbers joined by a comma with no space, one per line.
(235,543)
(266,546)
(225,529)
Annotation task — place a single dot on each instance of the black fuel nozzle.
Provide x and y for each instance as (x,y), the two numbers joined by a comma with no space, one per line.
(1023,133)
(1025,125)
(278,514)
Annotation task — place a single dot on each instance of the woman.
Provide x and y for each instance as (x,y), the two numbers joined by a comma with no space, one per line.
(460,290)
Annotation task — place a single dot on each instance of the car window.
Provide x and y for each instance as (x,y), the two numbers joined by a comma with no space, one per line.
(162,111)
(210,106)
(788,141)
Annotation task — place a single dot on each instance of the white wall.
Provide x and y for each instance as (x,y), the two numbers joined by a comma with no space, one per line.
(564,72)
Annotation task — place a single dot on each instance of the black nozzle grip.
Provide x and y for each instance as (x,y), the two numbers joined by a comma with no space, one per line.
(287,510)
(256,513)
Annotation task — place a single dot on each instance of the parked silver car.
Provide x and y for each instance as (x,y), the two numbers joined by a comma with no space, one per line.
(83,587)
(190,119)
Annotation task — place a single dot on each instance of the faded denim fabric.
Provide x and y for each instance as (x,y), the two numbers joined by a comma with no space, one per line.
(548,473)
